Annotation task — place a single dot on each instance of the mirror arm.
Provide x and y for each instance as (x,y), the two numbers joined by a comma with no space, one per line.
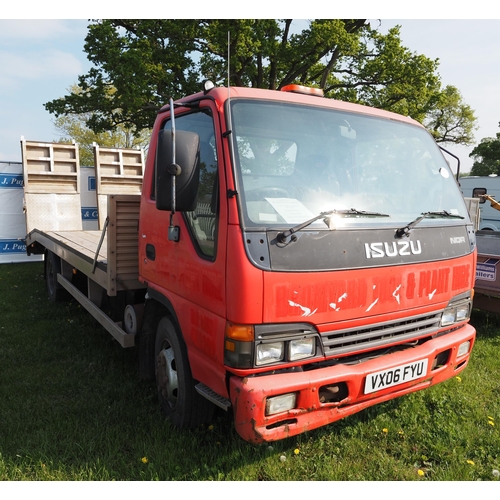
(174,170)
(456,158)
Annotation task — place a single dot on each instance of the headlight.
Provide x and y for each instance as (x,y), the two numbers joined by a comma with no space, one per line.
(448,317)
(456,313)
(265,345)
(463,348)
(291,350)
(300,349)
(463,312)
(278,404)
(269,353)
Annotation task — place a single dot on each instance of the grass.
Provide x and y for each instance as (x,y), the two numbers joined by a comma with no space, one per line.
(72,409)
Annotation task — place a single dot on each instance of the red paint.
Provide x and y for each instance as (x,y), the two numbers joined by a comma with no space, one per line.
(389,289)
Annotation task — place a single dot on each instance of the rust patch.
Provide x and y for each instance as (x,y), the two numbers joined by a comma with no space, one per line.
(258,436)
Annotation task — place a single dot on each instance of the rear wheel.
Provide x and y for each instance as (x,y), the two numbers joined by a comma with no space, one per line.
(55,291)
(179,400)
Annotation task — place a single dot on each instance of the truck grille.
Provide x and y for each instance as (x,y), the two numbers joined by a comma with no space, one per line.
(341,342)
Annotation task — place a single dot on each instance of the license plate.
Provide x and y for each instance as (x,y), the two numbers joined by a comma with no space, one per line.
(395,376)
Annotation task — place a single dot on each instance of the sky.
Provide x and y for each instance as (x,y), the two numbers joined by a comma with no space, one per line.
(41,58)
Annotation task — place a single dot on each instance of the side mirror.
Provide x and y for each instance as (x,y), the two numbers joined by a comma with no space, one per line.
(186,170)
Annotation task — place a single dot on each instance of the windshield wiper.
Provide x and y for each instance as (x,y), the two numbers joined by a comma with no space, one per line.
(405,231)
(283,235)
(354,211)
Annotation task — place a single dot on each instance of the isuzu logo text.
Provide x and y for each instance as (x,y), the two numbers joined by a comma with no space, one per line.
(384,249)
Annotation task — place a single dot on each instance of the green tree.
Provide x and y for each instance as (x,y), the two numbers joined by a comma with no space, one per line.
(486,156)
(74,127)
(450,119)
(140,64)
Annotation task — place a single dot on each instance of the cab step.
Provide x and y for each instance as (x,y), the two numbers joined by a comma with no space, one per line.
(212,396)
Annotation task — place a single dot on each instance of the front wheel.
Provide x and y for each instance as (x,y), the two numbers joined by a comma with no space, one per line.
(55,291)
(179,400)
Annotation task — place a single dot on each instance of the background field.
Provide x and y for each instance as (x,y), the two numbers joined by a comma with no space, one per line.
(72,408)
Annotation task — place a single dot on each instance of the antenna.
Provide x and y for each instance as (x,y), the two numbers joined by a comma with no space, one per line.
(230,192)
(230,125)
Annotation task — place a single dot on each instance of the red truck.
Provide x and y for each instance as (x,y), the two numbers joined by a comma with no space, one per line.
(292,259)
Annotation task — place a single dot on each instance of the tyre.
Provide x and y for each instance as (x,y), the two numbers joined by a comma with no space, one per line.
(55,291)
(178,398)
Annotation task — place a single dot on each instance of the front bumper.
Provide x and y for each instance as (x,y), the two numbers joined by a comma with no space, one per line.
(249,394)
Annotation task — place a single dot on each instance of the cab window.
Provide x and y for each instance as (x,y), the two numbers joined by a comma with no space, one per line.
(203,220)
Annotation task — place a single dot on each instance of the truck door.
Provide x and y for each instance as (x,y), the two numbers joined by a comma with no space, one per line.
(190,272)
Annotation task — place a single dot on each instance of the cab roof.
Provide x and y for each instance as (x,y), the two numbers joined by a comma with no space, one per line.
(222,94)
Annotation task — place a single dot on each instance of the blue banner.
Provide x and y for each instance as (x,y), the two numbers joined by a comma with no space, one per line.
(487,270)
(89,213)
(12,246)
(11,181)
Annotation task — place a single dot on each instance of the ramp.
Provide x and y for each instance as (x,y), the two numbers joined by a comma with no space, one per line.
(51,174)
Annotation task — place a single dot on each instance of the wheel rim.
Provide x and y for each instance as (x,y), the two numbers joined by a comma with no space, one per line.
(168,384)
(130,320)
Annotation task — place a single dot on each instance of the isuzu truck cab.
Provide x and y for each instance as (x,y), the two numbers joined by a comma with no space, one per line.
(324,263)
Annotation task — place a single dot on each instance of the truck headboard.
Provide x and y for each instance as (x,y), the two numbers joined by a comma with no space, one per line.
(51,173)
(118,171)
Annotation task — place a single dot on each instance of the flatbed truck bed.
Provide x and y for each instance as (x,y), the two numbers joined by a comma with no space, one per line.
(107,258)
(104,261)
(81,248)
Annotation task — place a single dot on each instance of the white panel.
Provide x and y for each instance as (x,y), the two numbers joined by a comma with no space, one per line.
(12,218)
(53,212)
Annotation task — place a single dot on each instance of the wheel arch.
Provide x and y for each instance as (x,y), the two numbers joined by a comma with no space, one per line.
(156,307)
(179,399)
(488,227)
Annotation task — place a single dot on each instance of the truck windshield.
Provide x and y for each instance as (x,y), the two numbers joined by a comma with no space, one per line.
(293,162)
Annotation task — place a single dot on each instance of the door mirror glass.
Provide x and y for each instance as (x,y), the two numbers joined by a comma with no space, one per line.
(185,171)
